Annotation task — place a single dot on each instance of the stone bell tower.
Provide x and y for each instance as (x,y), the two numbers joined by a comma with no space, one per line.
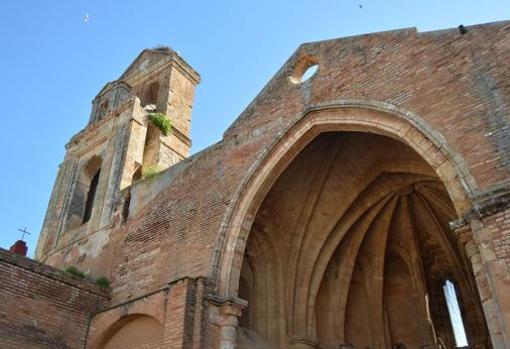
(117,146)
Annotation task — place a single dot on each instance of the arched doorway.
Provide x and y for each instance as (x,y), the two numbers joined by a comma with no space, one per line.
(345,240)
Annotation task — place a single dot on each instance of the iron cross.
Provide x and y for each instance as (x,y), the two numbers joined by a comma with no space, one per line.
(24,231)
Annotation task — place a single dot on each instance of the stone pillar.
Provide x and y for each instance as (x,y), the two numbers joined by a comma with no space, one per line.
(466,240)
(228,328)
(225,315)
(494,281)
(485,234)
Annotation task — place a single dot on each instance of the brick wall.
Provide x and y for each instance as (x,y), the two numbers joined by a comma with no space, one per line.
(501,231)
(42,307)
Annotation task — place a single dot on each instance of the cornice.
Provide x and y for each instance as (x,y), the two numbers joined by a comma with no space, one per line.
(485,204)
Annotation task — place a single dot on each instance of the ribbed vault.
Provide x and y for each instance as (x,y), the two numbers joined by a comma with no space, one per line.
(347,245)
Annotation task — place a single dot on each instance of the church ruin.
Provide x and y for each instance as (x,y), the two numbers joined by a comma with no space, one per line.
(366,205)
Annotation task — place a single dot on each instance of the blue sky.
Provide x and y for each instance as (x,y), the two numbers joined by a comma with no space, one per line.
(54,64)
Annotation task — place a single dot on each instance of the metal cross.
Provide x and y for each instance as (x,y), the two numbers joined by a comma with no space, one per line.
(24,231)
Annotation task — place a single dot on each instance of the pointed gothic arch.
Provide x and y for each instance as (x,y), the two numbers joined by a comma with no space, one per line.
(345,115)
(379,119)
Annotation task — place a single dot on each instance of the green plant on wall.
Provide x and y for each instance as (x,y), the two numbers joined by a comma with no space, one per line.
(162,122)
(103,282)
(150,171)
(75,271)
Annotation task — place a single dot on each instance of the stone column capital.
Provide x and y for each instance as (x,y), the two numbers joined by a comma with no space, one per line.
(232,306)
(226,312)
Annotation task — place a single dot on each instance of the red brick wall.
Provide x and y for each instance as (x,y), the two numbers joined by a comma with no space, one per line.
(42,307)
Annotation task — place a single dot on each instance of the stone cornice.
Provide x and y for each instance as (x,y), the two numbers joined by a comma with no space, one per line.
(486,203)
(235,302)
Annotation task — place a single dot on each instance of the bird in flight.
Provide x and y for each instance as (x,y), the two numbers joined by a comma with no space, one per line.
(86,18)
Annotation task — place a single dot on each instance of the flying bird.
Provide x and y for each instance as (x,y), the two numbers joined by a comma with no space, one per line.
(86,18)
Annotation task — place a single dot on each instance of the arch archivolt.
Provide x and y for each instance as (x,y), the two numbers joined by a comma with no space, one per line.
(377,118)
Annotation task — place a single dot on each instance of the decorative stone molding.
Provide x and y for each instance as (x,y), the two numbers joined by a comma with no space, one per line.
(225,314)
(231,306)
(485,204)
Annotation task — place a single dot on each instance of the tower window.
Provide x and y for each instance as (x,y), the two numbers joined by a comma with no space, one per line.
(84,191)
(103,110)
(150,96)
(452,302)
(90,196)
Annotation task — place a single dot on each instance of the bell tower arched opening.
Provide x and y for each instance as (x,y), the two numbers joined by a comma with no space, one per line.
(84,192)
(151,96)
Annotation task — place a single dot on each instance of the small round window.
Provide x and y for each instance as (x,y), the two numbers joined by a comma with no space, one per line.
(305,68)
(309,72)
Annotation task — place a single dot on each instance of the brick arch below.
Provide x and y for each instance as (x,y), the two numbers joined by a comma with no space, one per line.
(133,331)
(105,326)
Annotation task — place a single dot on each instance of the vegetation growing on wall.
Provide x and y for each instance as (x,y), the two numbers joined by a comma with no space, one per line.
(150,171)
(162,122)
(101,281)
(75,271)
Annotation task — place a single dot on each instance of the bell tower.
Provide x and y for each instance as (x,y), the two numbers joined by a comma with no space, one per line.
(118,145)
